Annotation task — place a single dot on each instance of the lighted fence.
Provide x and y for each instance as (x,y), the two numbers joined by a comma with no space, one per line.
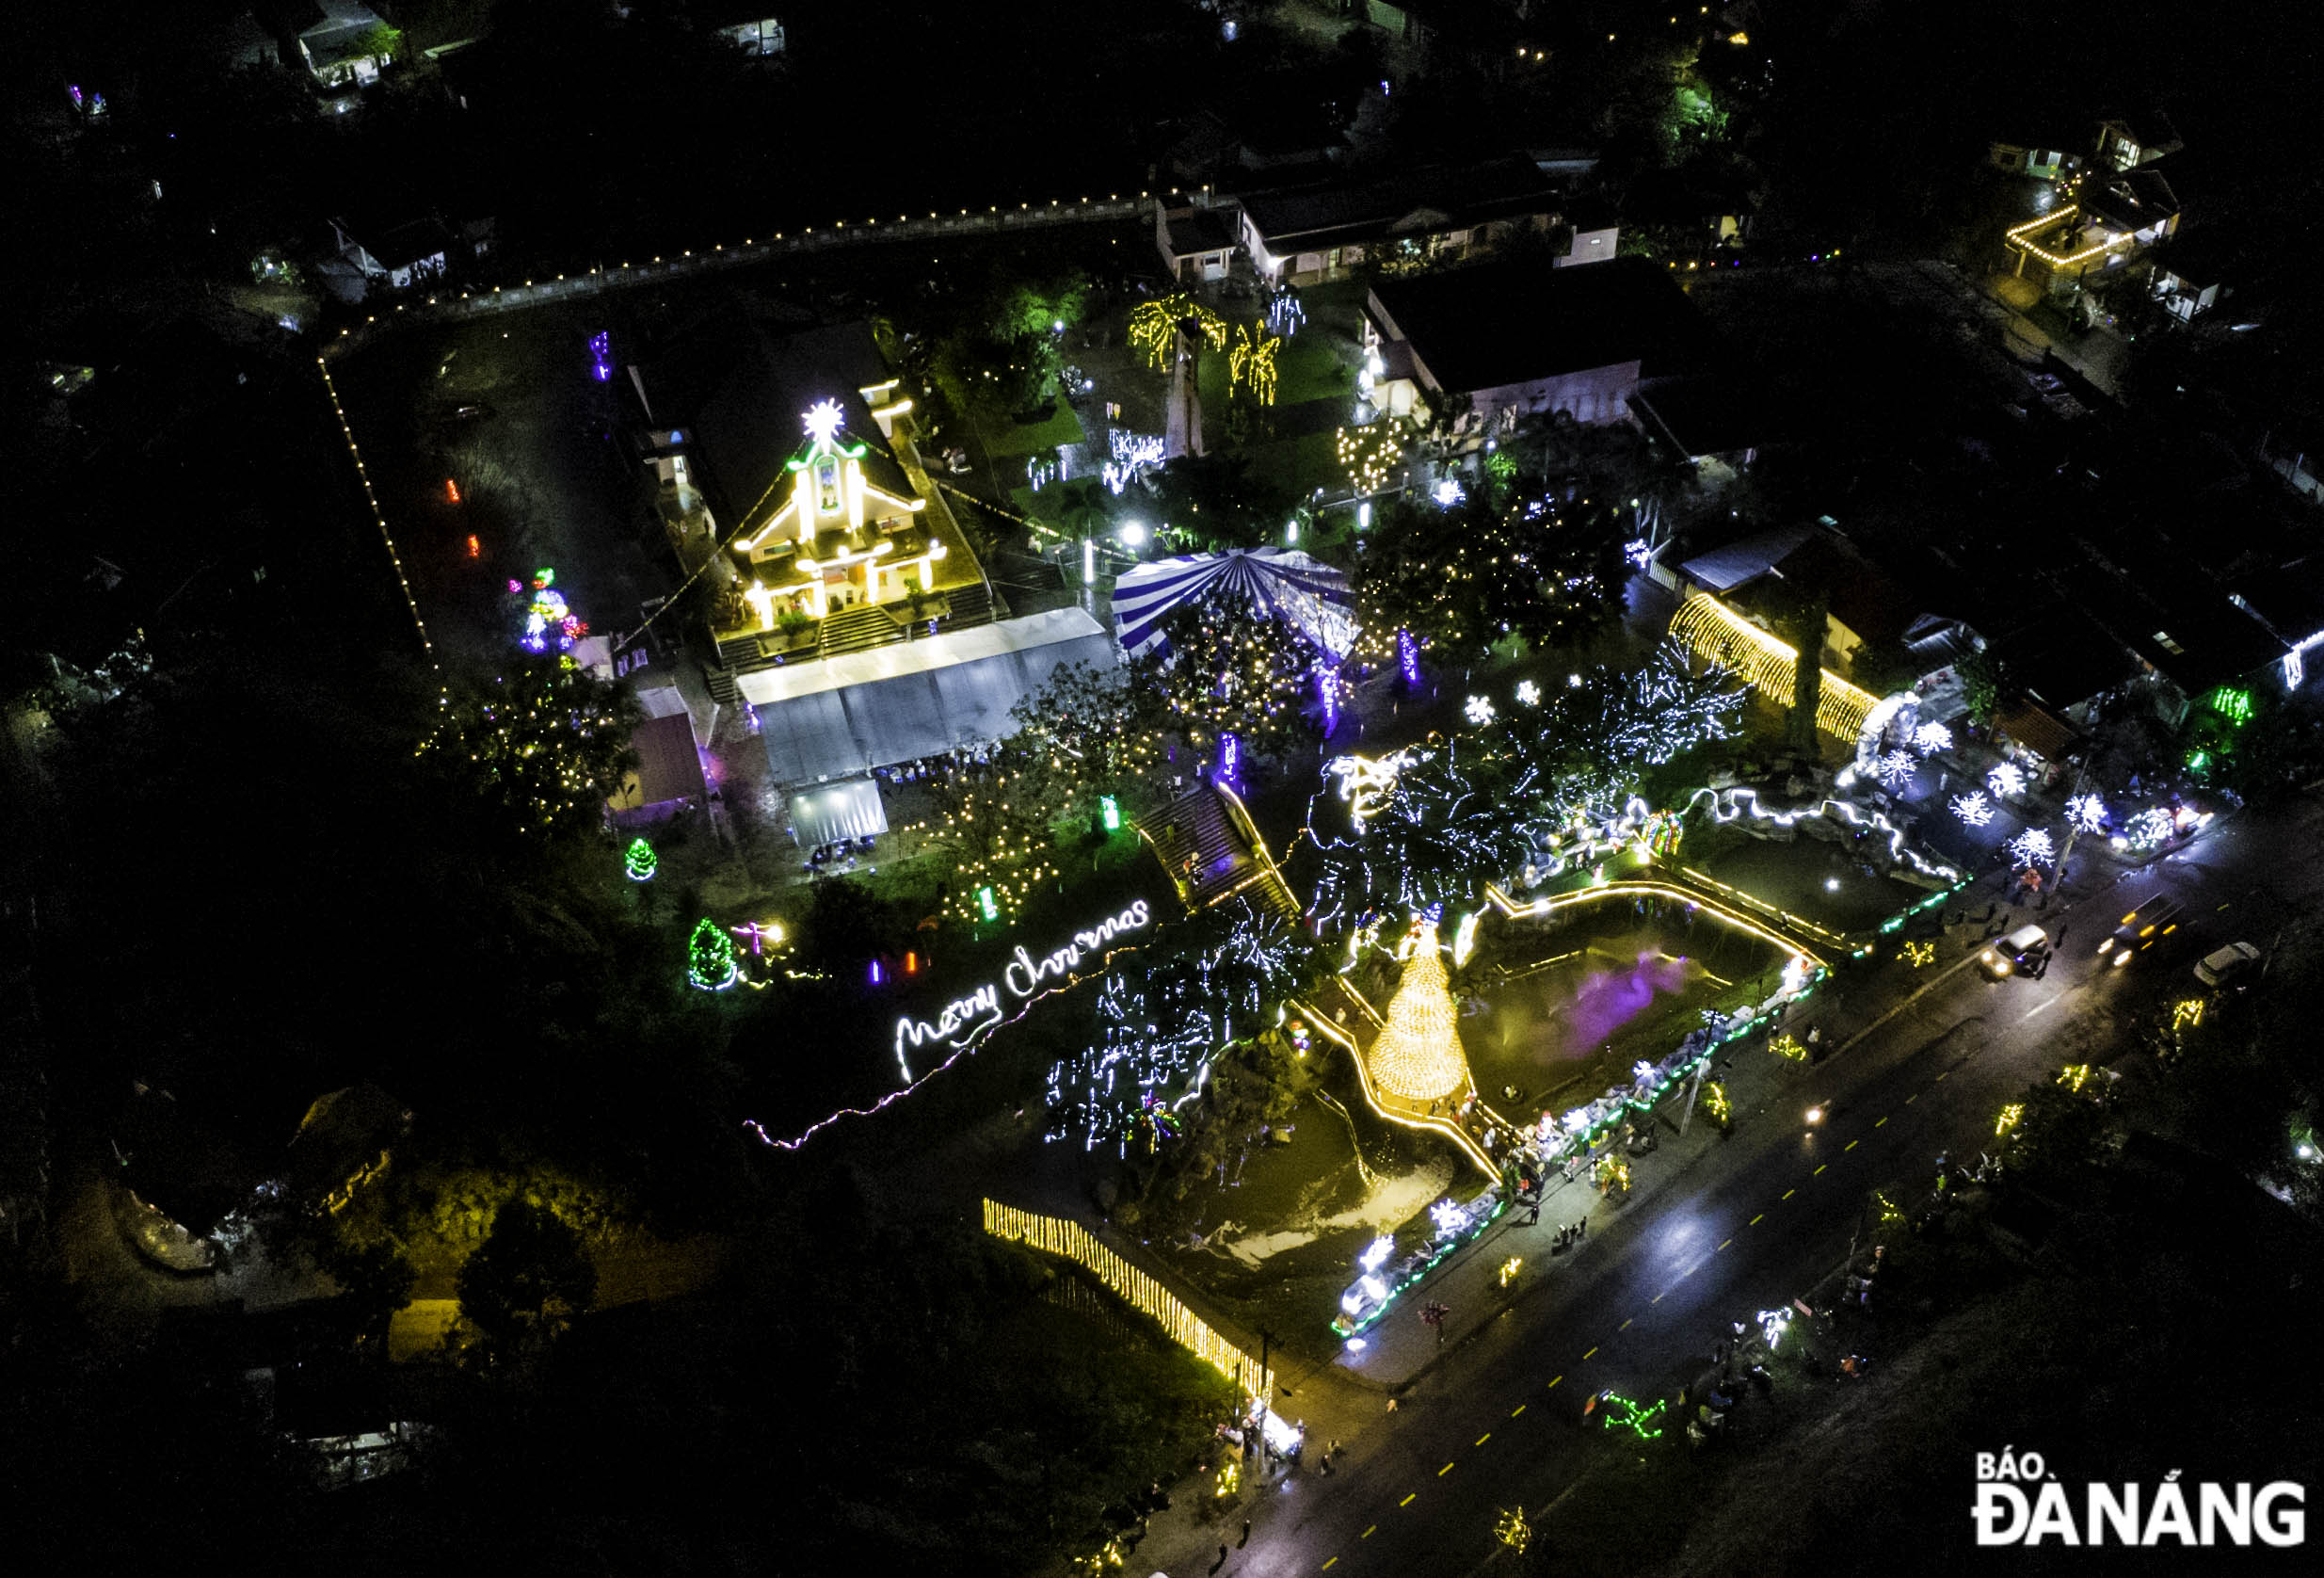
(1054,1235)
(1718,634)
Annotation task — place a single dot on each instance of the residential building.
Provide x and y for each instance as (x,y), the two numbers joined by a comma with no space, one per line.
(754,34)
(2124,143)
(1521,336)
(1424,215)
(1198,242)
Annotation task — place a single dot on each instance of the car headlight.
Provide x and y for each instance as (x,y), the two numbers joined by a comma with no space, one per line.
(2122,959)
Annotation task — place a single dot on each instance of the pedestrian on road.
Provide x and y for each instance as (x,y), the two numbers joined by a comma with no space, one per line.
(1246,1535)
(1584,1230)
(1221,1561)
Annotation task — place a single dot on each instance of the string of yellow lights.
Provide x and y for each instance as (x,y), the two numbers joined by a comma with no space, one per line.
(1140,1290)
(1718,634)
(379,517)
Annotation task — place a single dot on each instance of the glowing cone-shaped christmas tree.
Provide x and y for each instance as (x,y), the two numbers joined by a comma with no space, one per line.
(710,958)
(1417,1055)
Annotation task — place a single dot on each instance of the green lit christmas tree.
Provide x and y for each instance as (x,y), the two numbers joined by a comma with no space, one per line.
(710,958)
(641,860)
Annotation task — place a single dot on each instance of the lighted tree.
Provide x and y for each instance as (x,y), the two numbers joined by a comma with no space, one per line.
(640,860)
(993,822)
(540,745)
(1489,568)
(1089,733)
(1251,364)
(1233,669)
(710,958)
(1450,818)
(1154,327)
(1163,1014)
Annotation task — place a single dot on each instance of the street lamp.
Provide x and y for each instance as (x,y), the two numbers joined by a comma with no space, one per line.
(1134,535)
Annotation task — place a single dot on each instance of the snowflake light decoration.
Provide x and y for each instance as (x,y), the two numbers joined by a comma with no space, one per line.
(1973,808)
(1448,493)
(1930,738)
(2032,848)
(2087,813)
(2006,778)
(1528,694)
(2152,827)
(1480,711)
(1896,768)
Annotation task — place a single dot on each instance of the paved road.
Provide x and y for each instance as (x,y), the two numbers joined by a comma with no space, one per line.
(1751,1223)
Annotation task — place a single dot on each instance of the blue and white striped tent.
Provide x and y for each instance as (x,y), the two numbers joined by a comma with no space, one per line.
(1313,596)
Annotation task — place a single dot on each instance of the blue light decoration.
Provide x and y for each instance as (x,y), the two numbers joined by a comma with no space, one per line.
(1327,693)
(1230,760)
(1408,657)
(602,356)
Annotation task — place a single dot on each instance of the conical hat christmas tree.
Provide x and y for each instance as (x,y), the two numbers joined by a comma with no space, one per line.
(1417,1055)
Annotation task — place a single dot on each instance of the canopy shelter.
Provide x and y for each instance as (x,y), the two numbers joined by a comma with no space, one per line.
(831,812)
(1313,596)
(845,714)
(668,770)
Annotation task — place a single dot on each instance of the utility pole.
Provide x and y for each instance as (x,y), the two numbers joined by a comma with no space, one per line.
(1687,1116)
(2074,828)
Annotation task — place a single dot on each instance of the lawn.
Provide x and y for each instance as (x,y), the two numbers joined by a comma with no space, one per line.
(1062,427)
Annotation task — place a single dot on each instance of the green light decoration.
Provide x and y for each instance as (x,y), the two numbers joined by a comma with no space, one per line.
(986,906)
(1111,811)
(2232,704)
(1619,1410)
(710,958)
(641,862)
(2198,760)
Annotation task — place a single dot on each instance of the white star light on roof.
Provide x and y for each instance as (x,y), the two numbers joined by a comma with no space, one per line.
(823,420)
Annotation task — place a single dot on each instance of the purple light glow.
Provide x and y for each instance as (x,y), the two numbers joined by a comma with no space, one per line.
(1408,657)
(1606,1001)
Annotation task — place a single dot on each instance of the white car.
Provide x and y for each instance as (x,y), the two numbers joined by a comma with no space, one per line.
(2220,968)
(2025,946)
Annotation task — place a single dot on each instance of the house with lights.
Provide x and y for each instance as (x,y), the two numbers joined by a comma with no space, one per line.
(2113,221)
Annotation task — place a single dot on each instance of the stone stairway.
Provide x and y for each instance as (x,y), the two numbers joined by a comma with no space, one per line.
(855,630)
(971,605)
(1200,845)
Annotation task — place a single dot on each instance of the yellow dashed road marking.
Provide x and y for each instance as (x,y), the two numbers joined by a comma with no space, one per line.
(1756,1220)
(1878,1124)
(1446,1470)
(1845,1149)
(1788,1193)
(1408,1501)
(1914,1097)
(1623,1327)
(1518,1409)
(1585,1357)
(1658,1297)
(1945,1075)
(1553,1385)
(1724,1245)
(1367,1533)
(1329,1565)
(1819,1173)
